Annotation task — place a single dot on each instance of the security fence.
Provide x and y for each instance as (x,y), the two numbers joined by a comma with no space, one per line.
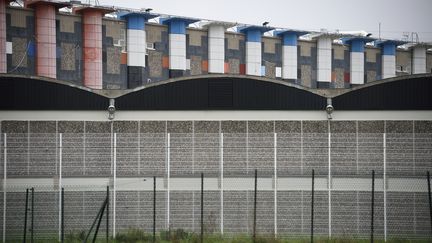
(85,164)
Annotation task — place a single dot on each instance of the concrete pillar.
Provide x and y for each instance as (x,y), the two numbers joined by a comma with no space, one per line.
(92,45)
(3,60)
(357,62)
(45,36)
(289,56)
(253,53)
(177,44)
(388,63)
(324,59)
(419,60)
(136,46)
(289,53)
(253,49)
(216,49)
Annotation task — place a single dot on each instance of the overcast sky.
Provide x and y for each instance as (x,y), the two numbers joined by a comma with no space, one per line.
(396,16)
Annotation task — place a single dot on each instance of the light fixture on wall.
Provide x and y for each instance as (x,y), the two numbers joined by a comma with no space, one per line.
(111,109)
(329,109)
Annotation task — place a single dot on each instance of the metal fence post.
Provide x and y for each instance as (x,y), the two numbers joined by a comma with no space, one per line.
(430,198)
(25,216)
(62,216)
(255,205)
(107,214)
(372,206)
(385,184)
(60,185)
(4,185)
(154,209)
(32,217)
(168,147)
(115,185)
(202,207)
(329,186)
(221,183)
(275,185)
(312,205)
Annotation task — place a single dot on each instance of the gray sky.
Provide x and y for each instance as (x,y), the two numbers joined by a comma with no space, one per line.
(400,17)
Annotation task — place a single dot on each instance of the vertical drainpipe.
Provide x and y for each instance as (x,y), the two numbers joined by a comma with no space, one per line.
(177,44)
(45,36)
(3,60)
(419,59)
(92,45)
(136,46)
(324,59)
(357,62)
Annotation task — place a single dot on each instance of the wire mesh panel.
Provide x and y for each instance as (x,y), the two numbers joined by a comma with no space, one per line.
(18,155)
(345,214)
(321,212)
(400,154)
(73,155)
(315,152)
(290,214)
(343,157)
(206,153)
(211,216)
(422,153)
(15,203)
(182,210)
(237,213)
(261,153)
(152,154)
(81,207)
(370,153)
(401,212)
(46,208)
(98,154)
(400,161)
(127,145)
(264,212)
(289,154)
(43,154)
(235,154)
(181,154)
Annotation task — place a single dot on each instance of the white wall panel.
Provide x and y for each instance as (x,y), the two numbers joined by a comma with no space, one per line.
(289,62)
(324,59)
(177,51)
(136,47)
(357,68)
(216,48)
(253,58)
(419,60)
(388,66)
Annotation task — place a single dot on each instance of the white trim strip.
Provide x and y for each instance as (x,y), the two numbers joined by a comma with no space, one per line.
(214,115)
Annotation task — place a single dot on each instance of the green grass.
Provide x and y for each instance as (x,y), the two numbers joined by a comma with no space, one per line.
(181,236)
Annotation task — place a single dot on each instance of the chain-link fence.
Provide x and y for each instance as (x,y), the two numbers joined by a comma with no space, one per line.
(85,164)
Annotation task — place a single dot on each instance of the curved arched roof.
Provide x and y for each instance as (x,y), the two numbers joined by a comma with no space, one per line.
(215,92)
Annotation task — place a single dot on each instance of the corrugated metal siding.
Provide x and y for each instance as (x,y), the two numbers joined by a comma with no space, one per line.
(29,94)
(221,94)
(407,94)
